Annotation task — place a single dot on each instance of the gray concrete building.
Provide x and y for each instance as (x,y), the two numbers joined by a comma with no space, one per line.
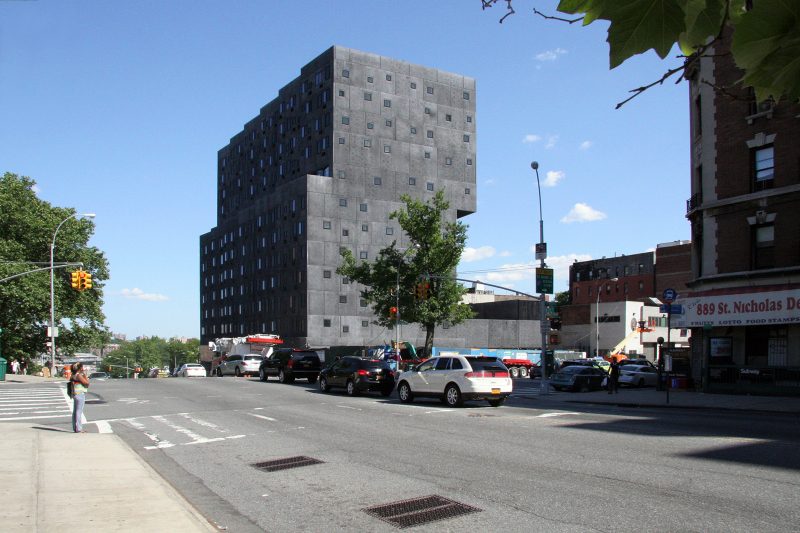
(320,168)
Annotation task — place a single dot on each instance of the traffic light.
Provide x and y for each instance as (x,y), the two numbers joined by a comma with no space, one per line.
(423,290)
(87,281)
(75,276)
(555,323)
(392,312)
(553,339)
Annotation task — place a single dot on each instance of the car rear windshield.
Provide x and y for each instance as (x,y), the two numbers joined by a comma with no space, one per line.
(252,357)
(486,363)
(306,356)
(573,369)
(369,364)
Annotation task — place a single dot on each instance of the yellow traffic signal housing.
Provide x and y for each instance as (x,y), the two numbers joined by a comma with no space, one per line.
(87,281)
(76,280)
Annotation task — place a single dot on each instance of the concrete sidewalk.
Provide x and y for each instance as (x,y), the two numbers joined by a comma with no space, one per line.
(56,480)
(679,399)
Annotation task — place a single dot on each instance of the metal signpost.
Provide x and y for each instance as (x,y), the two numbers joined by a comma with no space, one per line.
(669,296)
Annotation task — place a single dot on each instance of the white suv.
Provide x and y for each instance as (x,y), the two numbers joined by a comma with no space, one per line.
(456,378)
(240,365)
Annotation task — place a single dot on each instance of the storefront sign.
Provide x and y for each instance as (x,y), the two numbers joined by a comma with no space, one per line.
(747,309)
(721,347)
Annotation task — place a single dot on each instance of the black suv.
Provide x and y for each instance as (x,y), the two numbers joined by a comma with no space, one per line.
(288,364)
(356,375)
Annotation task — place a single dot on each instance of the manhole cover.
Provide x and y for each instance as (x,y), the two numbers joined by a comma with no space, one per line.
(418,511)
(289,462)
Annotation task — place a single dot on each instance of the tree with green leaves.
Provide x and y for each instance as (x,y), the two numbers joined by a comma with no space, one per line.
(27,225)
(765,35)
(431,258)
(152,352)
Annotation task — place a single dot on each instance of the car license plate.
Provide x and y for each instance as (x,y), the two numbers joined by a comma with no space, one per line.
(495,391)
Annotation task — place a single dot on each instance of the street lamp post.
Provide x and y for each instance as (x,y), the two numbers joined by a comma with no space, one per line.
(597,317)
(52,291)
(543,389)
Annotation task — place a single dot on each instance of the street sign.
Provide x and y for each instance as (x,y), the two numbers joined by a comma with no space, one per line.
(544,280)
(541,251)
(670,295)
(52,332)
(673,309)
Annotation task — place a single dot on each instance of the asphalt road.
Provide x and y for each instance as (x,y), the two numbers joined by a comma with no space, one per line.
(535,464)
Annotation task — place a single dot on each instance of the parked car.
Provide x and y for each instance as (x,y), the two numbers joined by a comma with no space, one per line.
(455,379)
(240,365)
(578,378)
(191,370)
(638,375)
(288,364)
(644,362)
(603,365)
(357,375)
(99,376)
(157,373)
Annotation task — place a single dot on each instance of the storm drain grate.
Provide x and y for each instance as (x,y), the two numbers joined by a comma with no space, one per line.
(289,462)
(418,511)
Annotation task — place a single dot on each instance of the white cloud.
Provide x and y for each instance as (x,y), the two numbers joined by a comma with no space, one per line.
(550,55)
(512,272)
(581,212)
(531,138)
(560,263)
(551,141)
(139,294)
(505,253)
(36,190)
(490,181)
(476,254)
(553,177)
(585,145)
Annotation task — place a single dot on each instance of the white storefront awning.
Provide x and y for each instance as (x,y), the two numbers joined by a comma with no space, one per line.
(754,308)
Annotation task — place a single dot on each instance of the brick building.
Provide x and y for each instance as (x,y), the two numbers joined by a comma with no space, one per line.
(745,217)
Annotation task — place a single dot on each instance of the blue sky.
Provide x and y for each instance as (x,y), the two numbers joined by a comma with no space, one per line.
(119,108)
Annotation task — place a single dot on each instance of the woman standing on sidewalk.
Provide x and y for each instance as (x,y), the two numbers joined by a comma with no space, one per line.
(80,384)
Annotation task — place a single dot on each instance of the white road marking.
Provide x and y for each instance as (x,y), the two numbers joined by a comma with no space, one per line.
(32,417)
(348,407)
(550,415)
(153,437)
(262,417)
(203,423)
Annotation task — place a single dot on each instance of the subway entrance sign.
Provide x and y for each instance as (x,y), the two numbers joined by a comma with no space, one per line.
(544,280)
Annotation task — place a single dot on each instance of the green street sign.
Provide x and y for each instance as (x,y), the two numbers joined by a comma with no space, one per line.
(544,280)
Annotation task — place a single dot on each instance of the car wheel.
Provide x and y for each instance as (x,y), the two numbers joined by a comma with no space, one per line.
(237,372)
(523,372)
(558,388)
(514,371)
(453,396)
(498,402)
(262,375)
(312,379)
(584,387)
(404,392)
(323,385)
(282,376)
(219,372)
(641,383)
(351,388)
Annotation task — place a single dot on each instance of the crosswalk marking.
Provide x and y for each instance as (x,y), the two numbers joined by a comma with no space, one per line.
(159,441)
(34,403)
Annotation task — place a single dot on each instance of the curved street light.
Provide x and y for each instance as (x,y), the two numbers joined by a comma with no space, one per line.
(543,388)
(597,316)
(52,291)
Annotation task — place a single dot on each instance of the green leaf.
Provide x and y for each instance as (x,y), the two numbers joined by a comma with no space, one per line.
(766,45)
(703,20)
(639,25)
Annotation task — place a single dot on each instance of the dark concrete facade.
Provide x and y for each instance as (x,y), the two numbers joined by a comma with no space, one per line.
(320,168)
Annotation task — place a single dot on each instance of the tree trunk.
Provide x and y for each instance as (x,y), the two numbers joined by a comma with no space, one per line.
(429,331)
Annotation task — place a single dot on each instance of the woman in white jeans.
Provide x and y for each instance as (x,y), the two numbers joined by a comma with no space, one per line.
(80,384)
